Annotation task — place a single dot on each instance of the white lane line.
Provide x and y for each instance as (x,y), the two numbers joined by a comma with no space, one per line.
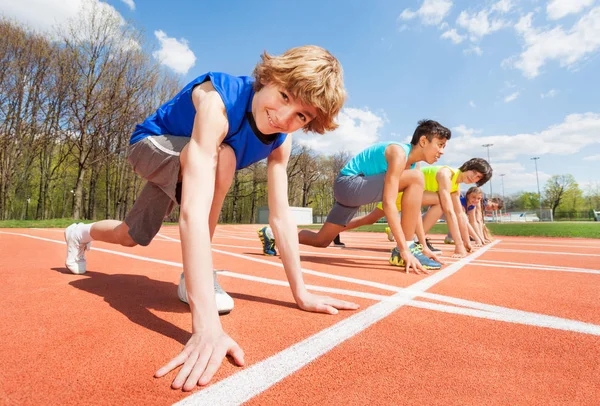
(578,245)
(255,379)
(546,252)
(479,262)
(466,307)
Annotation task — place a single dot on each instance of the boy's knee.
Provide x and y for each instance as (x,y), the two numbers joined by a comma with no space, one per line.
(127,241)
(124,238)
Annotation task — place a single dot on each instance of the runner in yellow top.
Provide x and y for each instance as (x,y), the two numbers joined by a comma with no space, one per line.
(442,195)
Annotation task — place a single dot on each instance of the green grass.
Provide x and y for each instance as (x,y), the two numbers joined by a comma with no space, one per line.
(52,223)
(557,229)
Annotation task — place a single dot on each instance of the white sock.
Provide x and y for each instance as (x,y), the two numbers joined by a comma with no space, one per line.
(410,244)
(84,233)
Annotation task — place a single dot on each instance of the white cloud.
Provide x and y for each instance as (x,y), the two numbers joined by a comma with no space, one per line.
(174,53)
(503,6)
(557,9)
(464,131)
(53,18)
(432,12)
(551,93)
(358,129)
(473,50)
(568,48)
(130,4)
(453,36)
(46,15)
(574,134)
(472,103)
(592,158)
(479,24)
(511,97)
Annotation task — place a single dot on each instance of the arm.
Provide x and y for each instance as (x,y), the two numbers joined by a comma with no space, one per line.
(286,235)
(448,203)
(422,237)
(473,227)
(396,159)
(208,345)
(481,225)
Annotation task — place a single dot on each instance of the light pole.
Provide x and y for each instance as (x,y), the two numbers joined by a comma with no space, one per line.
(489,162)
(535,159)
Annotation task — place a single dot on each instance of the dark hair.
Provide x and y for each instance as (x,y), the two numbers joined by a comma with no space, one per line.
(430,129)
(498,201)
(479,165)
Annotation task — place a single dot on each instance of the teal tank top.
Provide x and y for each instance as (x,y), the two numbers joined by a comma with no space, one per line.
(371,161)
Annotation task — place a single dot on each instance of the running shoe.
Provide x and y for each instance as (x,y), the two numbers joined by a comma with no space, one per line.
(390,236)
(337,242)
(224,301)
(448,240)
(268,240)
(431,247)
(75,261)
(416,250)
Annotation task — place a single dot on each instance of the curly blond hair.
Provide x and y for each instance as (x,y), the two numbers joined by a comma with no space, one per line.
(310,74)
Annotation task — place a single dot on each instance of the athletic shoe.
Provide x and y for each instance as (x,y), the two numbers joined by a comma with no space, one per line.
(268,240)
(75,250)
(431,247)
(390,236)
(224,301)
(448,240)
(338,243)
(416,250)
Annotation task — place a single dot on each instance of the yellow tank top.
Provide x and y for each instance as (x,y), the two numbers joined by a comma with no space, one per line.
(431,184)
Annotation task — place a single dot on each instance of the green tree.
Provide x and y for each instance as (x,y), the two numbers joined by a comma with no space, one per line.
(558,188)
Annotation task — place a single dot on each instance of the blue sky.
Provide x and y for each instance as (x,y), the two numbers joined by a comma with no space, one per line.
(521,75)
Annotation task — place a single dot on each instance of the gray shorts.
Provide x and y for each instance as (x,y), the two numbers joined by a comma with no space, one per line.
(156,159)
(351,192)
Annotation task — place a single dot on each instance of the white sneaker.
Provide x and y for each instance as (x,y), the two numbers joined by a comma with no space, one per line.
(224,301)
(75,250)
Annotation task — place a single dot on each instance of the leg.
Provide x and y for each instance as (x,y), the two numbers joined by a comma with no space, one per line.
(141,225)
(368,219)
(112,231)
(322,238)
(434,213)
(411,184)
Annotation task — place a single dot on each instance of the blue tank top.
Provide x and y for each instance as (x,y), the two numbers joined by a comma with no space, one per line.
(371,161)
(176,117)
(463,201)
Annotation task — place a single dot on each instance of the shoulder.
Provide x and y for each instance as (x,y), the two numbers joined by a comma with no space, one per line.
(235,93)
(394,150)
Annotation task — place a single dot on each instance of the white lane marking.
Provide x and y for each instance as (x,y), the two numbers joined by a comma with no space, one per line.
(546,252)
(255,379)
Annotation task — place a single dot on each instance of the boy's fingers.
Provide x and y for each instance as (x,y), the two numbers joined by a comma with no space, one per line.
(171,365)
(342,304)
(181,378)
(237,354)
(216,358)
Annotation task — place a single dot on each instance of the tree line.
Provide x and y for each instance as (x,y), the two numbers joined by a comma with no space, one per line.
(68,107)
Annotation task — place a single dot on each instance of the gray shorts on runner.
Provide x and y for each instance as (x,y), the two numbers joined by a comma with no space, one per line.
(351,192)
(156,159)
